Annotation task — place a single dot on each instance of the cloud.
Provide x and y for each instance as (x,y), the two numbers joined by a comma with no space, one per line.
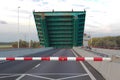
(35,0)
(62,0)
(78,5)
(101,15)
(20,0)
(115,27)
(45,3)
(3,22)
(95,11)
(9,32)
(23,11)
(13,36)
(91,26)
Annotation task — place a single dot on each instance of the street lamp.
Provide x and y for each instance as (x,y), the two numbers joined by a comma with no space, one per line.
(18,27)
(29,31)
(91,40)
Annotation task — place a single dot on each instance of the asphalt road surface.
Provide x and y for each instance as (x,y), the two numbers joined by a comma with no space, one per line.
(45,70)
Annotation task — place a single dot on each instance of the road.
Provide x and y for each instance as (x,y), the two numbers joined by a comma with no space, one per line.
(98,53)
(45,70)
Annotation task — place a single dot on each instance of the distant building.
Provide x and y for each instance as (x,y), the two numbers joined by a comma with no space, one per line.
(86,38)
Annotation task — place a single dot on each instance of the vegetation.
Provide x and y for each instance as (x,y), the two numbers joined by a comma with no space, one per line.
(105,42)
(25,44)
(5,45)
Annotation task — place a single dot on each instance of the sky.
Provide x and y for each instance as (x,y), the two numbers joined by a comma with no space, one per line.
(102,17)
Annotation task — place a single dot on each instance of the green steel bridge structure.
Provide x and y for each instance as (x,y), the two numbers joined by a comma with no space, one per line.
(60,29)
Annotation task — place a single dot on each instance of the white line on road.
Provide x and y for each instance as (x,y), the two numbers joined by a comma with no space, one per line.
(44,74)
(58,74)
(8,76)
(72,77)
(89,73)
(36,66)
(20,77)
(40,77)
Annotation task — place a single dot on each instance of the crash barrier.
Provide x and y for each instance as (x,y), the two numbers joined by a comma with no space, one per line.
(57,58)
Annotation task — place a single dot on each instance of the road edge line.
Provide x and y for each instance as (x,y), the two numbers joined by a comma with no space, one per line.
(89,73)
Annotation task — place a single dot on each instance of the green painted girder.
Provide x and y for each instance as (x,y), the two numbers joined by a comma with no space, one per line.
(60,29)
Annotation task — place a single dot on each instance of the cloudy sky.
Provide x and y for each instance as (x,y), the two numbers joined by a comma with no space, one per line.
(102,16)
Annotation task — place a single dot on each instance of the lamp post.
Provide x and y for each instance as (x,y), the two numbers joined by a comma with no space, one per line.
(18,27)
(29,31)
(91,40)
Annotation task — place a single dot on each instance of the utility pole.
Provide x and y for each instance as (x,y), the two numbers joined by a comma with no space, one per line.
(18,28)
(91,40)
(29,31)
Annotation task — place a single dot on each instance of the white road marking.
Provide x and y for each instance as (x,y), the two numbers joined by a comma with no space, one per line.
(36,66)
(45,74)
(89,73)
(8,76)
(59,74)
(40,77)
(72,77)
(20,77)
(23,75)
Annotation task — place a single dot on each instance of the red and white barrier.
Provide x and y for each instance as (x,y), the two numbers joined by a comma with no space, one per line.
(57,58)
